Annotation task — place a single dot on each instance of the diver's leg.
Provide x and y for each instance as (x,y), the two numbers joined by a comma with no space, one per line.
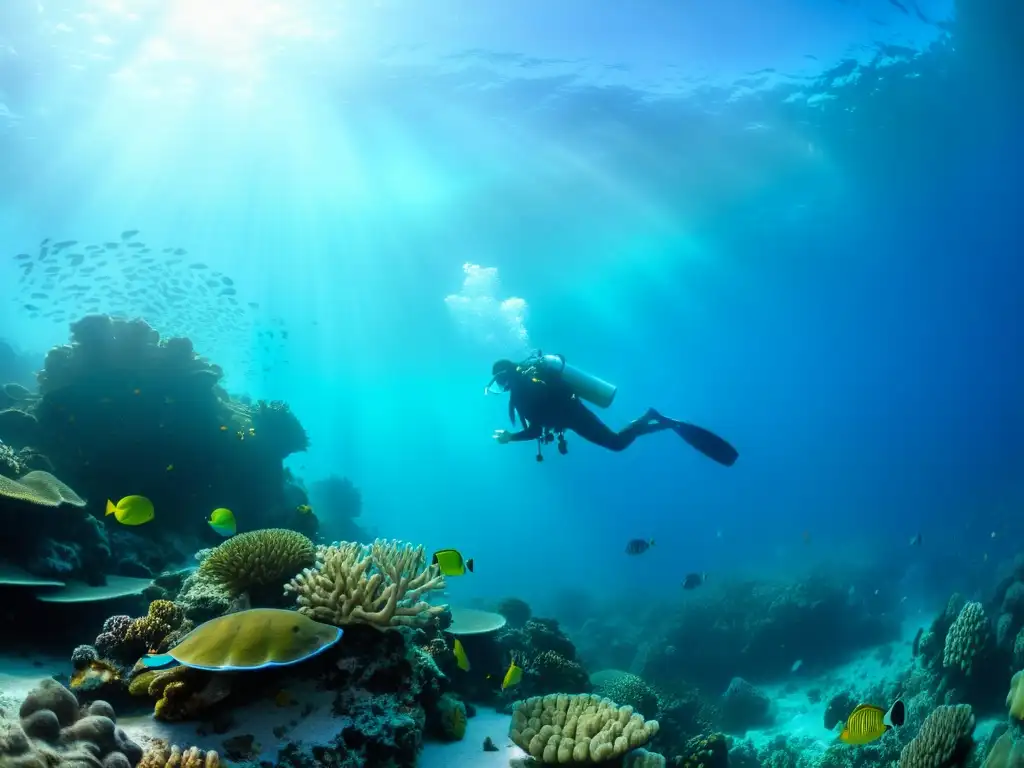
(587,425)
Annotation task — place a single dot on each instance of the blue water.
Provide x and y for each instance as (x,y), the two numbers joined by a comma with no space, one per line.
(794,223)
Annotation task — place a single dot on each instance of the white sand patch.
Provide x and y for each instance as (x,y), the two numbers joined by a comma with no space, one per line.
(20,674)
(469,753)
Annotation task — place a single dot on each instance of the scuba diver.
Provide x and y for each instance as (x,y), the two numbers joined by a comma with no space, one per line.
(548,396)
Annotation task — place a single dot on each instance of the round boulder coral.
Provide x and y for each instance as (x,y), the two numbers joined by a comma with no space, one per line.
(258,559)
(577,729)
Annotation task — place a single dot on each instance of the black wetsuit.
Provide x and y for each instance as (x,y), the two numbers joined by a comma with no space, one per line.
(554,407)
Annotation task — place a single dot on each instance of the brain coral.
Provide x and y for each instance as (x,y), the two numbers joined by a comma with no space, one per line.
(264,558)
(577,729)
(943,741)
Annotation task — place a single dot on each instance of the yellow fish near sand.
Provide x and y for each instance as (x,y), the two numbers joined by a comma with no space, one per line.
(223,522)
(131,510)
(461,659)
(868,723)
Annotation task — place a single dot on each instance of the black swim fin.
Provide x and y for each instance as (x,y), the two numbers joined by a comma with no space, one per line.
(708,443)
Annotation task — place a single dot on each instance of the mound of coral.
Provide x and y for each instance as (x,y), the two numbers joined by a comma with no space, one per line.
(51,729)
(169,432)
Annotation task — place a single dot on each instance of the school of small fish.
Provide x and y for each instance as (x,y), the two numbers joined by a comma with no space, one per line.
(64,280)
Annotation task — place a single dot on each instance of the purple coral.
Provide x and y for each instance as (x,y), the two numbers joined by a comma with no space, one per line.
(111,640)
(83,655)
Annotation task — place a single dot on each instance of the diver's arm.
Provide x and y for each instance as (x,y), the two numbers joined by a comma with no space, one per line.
(532,432)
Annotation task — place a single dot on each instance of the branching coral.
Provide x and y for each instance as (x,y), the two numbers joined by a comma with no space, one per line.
(627,688)
(577,729)
(966,637)
(162,755)
(943,741)
(264,558)
(380,585)
(153,629)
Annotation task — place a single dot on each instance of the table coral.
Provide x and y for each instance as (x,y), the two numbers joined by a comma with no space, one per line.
(585,728)
(380,585)
(53,731)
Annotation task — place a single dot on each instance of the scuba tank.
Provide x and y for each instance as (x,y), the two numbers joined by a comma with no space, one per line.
(584,385)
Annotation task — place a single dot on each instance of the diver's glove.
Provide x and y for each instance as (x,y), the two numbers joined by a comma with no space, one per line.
(502,436)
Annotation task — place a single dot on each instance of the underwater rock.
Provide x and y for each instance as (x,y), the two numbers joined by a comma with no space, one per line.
(745,706)
(52,729)
(839,708)
(515,611)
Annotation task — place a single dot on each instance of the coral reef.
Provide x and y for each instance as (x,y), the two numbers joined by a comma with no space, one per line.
(52,730)
(944,741)
(751,629)
(966,638)
(381,585)
(388,693)
(627,689)
(258,561)
(515,611)
(577,729)
(744,707)
(170,432)
(547,656)
(180,693)
(338,503)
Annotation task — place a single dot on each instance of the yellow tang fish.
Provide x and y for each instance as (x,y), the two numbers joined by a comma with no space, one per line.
(223,522)
(304,509)
(451,563)
(513,676)
(867,723)
(460,656)
(131,510)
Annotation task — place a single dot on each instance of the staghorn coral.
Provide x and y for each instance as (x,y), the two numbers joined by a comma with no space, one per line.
(380,585)
(944,741)
(153,629)
(965,638)
(561,728)
(264,558)
(53,731)
(160,754)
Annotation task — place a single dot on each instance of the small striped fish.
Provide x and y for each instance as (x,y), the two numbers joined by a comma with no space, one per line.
(867,723)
